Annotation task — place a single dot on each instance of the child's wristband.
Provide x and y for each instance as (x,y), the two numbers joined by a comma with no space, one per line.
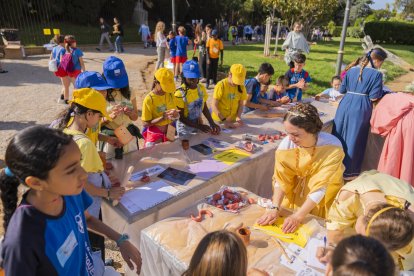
(124,237)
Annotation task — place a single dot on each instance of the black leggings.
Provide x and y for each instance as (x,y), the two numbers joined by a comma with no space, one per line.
(212,69)
(203,64)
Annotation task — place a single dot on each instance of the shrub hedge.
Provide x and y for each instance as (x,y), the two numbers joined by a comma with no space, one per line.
(390,32)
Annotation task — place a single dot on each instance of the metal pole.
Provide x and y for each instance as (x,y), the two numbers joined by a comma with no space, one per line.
(343,37)
(173,16)
(277,36)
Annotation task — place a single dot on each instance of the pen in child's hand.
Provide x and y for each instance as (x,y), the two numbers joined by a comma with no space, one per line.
(324,245)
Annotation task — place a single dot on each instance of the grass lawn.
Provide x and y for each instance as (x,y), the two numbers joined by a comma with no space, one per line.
(320,62)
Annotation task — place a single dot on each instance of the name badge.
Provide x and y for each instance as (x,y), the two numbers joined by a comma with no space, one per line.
(65,251)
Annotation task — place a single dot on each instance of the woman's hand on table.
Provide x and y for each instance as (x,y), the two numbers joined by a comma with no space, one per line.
(131,256)
(291,223)
(256,272)
(268,218)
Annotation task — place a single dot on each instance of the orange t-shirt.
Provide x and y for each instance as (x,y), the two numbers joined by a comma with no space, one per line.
(215,46)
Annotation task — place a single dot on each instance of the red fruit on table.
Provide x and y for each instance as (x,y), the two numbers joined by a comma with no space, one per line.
(145,179)
(216,197)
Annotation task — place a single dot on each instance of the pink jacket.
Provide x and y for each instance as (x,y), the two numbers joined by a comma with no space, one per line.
(393,118)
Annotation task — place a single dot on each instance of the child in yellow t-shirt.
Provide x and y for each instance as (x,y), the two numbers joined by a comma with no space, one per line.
(229,96)
(191,100)
(214,47)
(86,110)
(158,108)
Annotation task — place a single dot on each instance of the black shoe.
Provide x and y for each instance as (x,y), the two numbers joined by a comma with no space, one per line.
(3,71)
(109,262)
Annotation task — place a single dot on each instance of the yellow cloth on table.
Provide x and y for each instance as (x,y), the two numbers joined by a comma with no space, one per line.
(299,237)
(155,105)
(231,156)
(323,170)
(343,214)
(228,98)
(90,160)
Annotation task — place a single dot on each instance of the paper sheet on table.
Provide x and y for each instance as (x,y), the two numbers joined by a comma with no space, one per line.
(231,156)
(207,168)
(136,176)
(147,196)
(311,248)
(299,237)
(299,267)
(217,144)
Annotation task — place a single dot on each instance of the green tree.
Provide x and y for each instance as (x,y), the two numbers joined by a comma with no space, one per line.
(407,6)
(309,12)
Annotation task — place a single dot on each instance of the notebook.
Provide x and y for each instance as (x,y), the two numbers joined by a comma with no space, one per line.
(147,196)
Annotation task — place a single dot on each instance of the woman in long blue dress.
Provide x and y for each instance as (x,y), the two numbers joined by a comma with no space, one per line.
(362,86)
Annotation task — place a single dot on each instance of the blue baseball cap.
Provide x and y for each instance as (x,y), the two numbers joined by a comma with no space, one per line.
(91,79)
(214,32)
(191,69)
(115,73)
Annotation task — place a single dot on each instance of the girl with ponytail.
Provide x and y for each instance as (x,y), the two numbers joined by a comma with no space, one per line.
(362,85)
(45,234)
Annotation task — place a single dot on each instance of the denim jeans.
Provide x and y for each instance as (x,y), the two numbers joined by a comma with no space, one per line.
(118,44)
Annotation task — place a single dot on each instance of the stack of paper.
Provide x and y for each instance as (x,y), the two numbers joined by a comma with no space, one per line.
(147,196)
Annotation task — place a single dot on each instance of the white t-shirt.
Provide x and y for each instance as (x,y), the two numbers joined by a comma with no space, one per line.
(332,93)
(161,40)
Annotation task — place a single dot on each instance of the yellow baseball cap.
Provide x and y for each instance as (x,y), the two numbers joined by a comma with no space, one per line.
(90,98)
(166,79)
(238,74)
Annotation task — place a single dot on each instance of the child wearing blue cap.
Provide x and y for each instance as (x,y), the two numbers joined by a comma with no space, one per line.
(122,106)
(91,79)
(191,100)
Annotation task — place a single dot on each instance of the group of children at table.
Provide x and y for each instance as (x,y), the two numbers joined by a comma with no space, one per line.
(100,105)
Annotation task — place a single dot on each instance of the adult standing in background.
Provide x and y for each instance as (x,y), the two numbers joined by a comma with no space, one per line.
(161,43)
(295,43)
(145,34)
(201,39)
(119,33)
(362,86)
(104,35)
